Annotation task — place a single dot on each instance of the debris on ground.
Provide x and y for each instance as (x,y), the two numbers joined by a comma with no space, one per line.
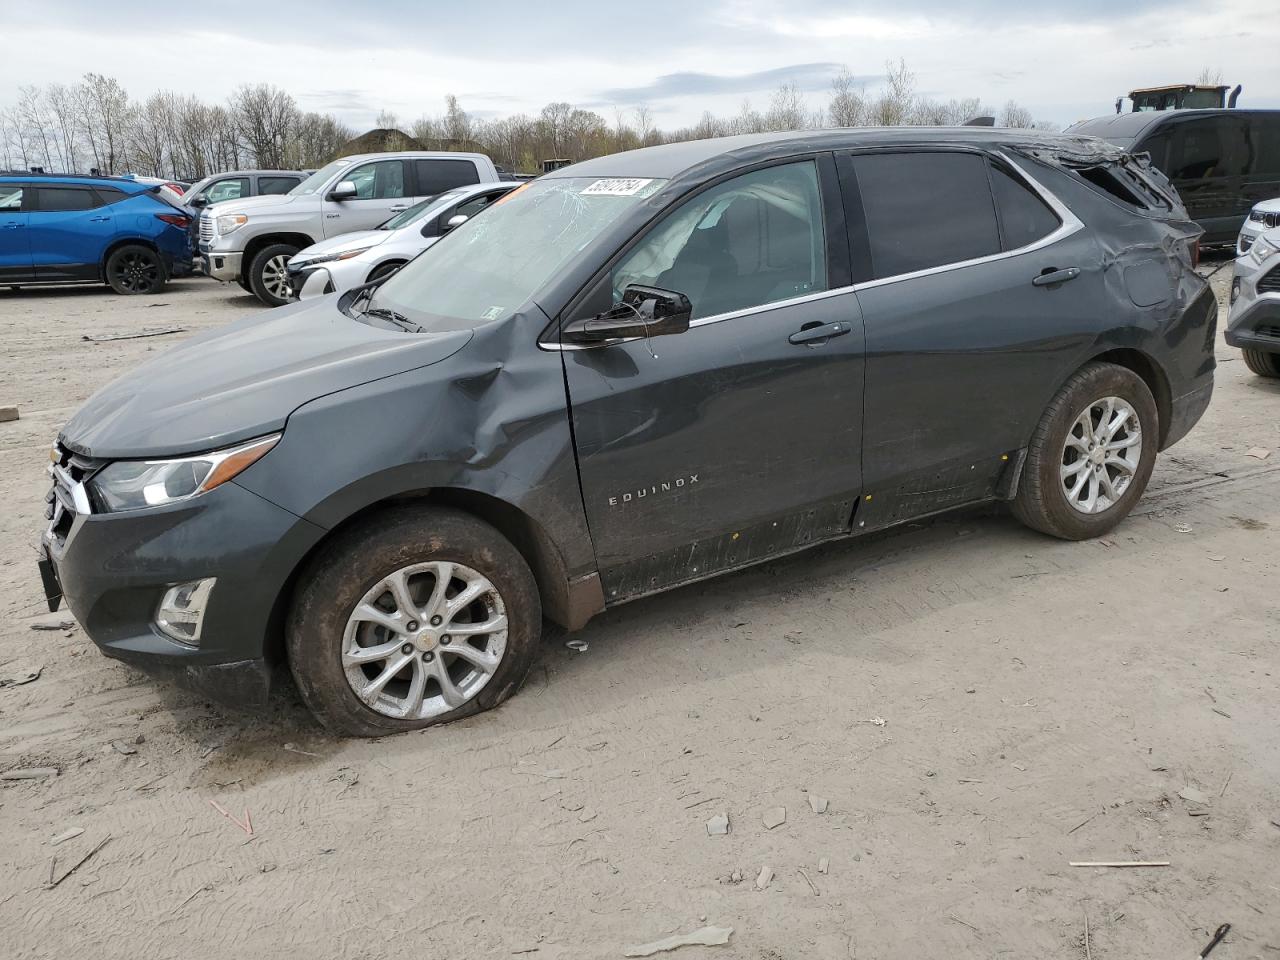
(878,721)
(53,623)
(66,835)
(774,817)
(824,864)
(1218,934)
(78,864)
(246,825)
(1258,453)
(1192,795)
(812,885)
(16,674)
(1118,863)
(134,336)
(718,825)
(30,773)
(120,746)
(764,877)
(294,748)
(578,645)
(817,804)
(1182,527)
(8,414)
(706,937)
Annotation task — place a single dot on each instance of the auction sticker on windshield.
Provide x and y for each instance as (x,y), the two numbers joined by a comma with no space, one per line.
(616,187)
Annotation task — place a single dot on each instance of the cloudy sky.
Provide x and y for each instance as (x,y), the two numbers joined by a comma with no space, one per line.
(1065,61)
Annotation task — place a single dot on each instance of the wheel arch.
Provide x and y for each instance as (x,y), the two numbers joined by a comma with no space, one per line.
(563,603)
(255,244)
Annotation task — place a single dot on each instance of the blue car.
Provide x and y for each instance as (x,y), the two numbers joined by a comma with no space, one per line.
(70,229)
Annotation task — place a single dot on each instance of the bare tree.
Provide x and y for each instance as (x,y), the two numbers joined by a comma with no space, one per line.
(848,106)
(555,116)
(787,109)
(1013,114)
(265,118)
(104,116)
(1210,77)
(644,125)
(457,125)
(386,120)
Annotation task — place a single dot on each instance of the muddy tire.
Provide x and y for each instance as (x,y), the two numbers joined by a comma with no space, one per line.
(1262,362)
(1091,455)
(366,633)
(135,269)
(268,280)
(384,270)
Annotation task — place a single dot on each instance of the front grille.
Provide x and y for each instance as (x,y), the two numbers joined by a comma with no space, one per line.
(1270,281)
(1267,219)
(206,227)
(1269,331)
(60,502)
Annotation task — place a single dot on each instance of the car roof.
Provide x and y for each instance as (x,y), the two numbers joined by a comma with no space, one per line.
(670,160)
(70,179)
(1134,125)
(415,154)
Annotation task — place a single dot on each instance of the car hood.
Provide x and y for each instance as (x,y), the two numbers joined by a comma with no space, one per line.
(243,381)
(342,243)
(248,205)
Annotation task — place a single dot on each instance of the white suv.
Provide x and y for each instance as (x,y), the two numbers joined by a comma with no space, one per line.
(1254,322)
(1264,216)
(251,240)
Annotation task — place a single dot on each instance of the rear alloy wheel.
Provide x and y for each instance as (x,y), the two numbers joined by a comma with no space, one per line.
(416,617)
(135,269)
(269,275)
(1091,456)
(1262,362)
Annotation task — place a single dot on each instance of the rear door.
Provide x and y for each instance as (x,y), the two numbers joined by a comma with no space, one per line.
(435,175)
(15,247)
(966,341)
(381,191)
(740,438)
(270,184)
(69,230)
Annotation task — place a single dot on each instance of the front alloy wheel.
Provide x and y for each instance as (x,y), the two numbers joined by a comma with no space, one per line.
(414,616)
(424,640)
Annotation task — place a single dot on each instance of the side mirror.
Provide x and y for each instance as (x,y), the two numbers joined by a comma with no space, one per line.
(345,190)
(200,201)
(457,220)
(643,312)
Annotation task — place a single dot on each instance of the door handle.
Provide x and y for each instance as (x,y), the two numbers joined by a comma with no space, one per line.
(13,226)
(99,219)
(1050,277)
(399,208)
(819,331)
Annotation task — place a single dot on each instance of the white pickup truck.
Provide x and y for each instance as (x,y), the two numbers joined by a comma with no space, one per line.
(251,240)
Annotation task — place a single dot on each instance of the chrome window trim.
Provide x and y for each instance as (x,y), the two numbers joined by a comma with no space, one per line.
(1069,224)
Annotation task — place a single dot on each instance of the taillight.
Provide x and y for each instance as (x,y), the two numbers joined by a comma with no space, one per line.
(1195,253)
(177,219)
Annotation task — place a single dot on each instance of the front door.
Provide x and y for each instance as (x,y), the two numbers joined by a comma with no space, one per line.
(740,438)
(15,248)
(979,295)
(380,194)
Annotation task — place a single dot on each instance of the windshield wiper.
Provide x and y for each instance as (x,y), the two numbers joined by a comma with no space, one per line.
(399,319)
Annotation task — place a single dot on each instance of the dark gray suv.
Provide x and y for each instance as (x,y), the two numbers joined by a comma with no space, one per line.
(633,373)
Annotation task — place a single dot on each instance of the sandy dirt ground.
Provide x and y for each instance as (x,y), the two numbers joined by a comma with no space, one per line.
(978,705)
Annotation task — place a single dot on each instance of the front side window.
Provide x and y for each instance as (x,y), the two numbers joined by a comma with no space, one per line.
(57,199)
(749,241)
(316,182)
(380,180)
(11,197)
(473,206)
(926,209)
(1024,216)
(232,188)
(490,267)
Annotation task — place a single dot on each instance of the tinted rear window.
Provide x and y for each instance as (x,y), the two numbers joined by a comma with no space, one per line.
(437,176)
(55,199)
(926,209)
(1024,217)
(274,185)
(109,194)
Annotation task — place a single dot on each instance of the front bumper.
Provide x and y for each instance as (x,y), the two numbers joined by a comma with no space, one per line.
(1253,321)
(113,570)
(221,265)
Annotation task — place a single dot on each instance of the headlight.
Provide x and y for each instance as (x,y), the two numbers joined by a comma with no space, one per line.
(231,223)
(134,484)
(330,257)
